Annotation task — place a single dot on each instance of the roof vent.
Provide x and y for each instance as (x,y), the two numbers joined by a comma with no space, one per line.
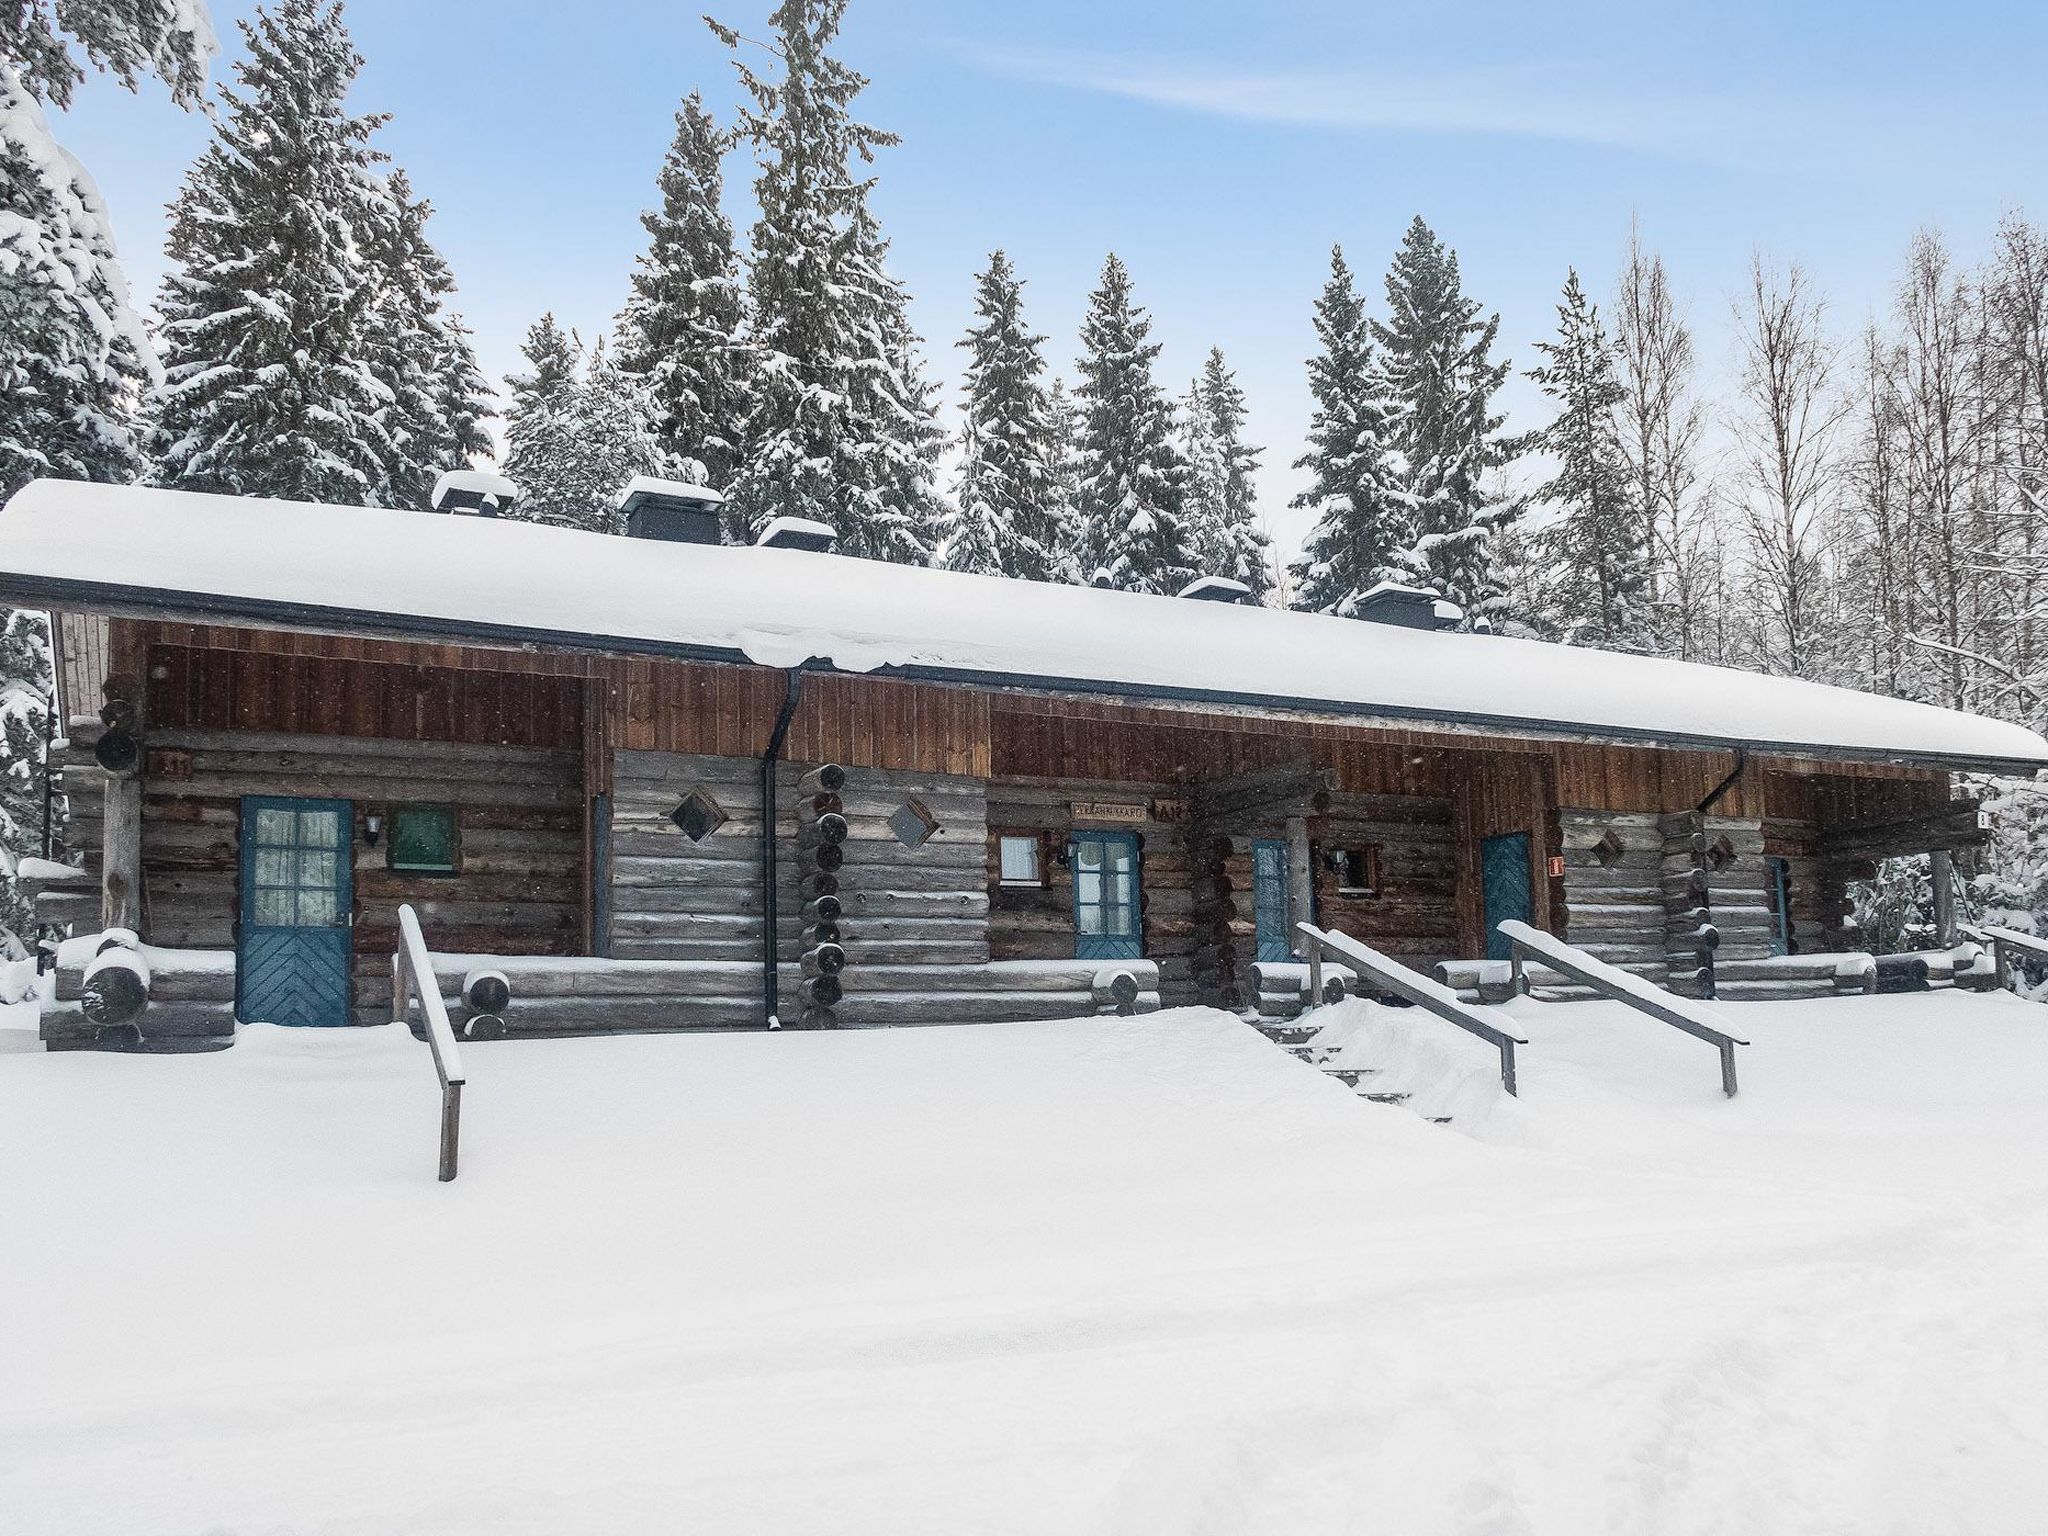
(1407,607)
(797,533)
(674,511)
(1216,589)
(473,493)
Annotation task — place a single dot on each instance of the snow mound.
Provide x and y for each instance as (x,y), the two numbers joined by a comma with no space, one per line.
(1132,1277)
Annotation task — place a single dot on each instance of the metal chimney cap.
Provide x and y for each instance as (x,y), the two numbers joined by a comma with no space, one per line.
(797,533)
(1216,589)
(476,491)
(652,488)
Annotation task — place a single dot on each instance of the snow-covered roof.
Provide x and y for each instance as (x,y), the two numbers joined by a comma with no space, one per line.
(641,486)
(354,570)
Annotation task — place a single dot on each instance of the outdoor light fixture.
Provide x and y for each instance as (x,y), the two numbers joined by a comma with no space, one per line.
(373,828)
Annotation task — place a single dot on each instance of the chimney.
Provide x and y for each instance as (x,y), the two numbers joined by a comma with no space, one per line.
(1216,589)
(673,511)
(1407,607)
(797,533)
(473,493)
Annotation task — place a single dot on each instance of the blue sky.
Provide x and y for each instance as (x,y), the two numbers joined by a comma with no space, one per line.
(1219,148)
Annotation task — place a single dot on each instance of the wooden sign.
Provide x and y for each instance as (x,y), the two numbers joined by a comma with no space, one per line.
(1171,811)
(1116,812)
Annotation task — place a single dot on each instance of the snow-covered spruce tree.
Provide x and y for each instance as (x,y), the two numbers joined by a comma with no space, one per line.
(268,386)
(74,357)
(1131,482)
(1600,558)
(1065,421)
(420,353)
(540,425)
(840,424)
(1437,354)
(893,501)
(1007,509)
(1364,519)
(1223,513)
(681,327)
(24,718)
(574,435)
(75,360)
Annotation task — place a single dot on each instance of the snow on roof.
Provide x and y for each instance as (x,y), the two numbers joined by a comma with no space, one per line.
(477,482)
(649,485)
(360,570)
(1397,589)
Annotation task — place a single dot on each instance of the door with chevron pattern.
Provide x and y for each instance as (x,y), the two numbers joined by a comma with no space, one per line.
(296,944)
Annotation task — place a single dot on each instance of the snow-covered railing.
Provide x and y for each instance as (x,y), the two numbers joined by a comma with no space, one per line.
(1389,975)
(1612,982)
(2005,944)
(412,975)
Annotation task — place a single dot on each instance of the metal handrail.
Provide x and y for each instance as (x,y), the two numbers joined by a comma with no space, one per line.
(1614,983)
(412,975)
(1391,976)
(2005,943)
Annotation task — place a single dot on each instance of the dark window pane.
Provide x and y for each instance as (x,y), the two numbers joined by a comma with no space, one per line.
(423,838)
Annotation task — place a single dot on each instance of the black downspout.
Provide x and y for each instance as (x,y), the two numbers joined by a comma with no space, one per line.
(771,983)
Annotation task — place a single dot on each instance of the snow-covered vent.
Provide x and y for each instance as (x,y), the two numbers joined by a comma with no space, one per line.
(797,533)
(1216,589)
(473,493)
(673,511)
(1408,607)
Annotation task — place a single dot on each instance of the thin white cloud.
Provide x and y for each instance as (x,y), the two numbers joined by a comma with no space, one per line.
(1548,102)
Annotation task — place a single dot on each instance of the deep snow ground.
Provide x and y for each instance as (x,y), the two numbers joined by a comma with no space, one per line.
(1124,1276)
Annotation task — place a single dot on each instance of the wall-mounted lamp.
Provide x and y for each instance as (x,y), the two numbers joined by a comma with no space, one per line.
(373,828)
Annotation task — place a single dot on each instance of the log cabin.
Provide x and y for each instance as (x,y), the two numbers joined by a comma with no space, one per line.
(650,780)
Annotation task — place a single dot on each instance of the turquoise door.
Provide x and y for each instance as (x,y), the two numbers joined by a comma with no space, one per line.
(1106,896)
(295,944)
(1269,900)
(1504,878)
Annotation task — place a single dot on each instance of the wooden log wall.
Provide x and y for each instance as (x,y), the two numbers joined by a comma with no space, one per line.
(671,898)
(1041,752)
(1038,924)
(1614,889)
(898,908)
(901,906)
(518,815)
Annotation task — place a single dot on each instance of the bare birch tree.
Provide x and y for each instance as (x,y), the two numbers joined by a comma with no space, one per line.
(1787,417)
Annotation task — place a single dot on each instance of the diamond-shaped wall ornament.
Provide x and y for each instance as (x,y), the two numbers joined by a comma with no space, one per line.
(913,824)
(698,816)
(1608,849)
(1721,855)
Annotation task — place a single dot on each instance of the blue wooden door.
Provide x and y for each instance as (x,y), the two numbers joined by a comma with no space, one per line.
(1269,900)
(1504,880)
(295,945)
(1106,902)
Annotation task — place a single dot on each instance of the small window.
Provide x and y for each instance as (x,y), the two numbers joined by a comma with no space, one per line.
(1020,860)
(1357,869)
(423,839)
